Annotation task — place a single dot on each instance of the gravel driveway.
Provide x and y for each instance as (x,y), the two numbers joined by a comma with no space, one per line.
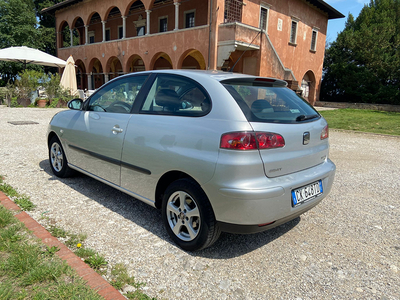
(346,247)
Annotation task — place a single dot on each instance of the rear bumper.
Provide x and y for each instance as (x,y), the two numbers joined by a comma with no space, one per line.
(269,200)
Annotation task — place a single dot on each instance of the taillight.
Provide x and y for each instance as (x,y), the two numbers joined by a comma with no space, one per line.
(251,140)
(325,132)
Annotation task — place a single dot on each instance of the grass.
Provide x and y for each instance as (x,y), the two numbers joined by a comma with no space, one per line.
(373,121)
(31,270)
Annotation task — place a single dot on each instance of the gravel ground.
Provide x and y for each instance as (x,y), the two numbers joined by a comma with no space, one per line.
(348,247)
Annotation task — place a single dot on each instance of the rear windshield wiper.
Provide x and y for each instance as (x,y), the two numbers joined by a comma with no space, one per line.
(305,118)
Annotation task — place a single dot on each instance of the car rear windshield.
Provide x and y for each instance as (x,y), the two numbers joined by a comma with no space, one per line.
(269,101)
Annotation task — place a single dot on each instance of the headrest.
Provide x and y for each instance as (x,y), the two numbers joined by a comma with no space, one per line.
(167,98)
(259,105)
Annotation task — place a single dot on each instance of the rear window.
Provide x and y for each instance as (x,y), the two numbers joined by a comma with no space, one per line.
(270,102)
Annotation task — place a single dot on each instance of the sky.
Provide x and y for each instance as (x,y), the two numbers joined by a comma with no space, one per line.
(336,26)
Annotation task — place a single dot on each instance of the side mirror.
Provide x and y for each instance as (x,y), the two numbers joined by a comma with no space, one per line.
(75,104)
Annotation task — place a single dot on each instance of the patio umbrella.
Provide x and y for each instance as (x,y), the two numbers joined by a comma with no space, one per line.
(68,78)
(28,55)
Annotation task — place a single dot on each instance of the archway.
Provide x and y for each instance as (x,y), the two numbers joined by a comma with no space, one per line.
(95,30)
(135,64)
(161,61)
(96,74)
(136,15)
(114,29)
(81,78)
(192,59)
(114,68)
(78,32)
(65,35)
(308,87)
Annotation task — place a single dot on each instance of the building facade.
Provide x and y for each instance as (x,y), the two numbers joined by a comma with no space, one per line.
(273,38)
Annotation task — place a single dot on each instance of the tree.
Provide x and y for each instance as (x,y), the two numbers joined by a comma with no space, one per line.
(363,64)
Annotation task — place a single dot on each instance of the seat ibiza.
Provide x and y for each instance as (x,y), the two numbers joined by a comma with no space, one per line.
(216,152)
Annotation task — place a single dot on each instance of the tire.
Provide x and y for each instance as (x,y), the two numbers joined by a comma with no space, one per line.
(58,160)
(191,223)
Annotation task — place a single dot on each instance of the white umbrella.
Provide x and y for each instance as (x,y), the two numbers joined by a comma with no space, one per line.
(68,78)
(28,55)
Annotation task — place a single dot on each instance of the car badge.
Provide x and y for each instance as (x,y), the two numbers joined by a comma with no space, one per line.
(306,138)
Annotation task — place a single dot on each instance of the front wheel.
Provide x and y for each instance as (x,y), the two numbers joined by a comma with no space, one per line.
(58,161)
(188,216)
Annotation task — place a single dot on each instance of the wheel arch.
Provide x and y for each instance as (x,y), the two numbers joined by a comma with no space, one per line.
(165,181)
(50,136)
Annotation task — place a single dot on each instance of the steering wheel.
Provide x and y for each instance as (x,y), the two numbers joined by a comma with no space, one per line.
(92,107)
(121,103)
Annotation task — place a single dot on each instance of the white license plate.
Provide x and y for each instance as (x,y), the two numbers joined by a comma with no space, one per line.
(306,193)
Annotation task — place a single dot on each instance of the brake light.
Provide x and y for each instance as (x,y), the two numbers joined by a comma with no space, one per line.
(251,140)
(325,133)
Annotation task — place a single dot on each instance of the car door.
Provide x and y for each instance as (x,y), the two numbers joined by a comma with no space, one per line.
(96,136)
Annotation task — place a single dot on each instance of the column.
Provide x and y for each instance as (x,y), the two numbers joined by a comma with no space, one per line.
(71,35)
(123,27)
(86,34)
(106,78)
(89,82)
(148,21)
(176,15)
(104,30)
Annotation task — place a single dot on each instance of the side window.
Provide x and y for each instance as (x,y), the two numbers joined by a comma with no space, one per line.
(118,96)
(176,95)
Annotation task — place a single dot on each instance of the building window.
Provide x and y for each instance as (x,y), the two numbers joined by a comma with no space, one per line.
(108,34)
(120,32)
(233,11)
(264,18)
(91,37)
(140,30)
(163,24)
(293,32)
(314,40)
(190,18)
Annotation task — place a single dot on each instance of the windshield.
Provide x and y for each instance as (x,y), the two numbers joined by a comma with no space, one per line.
(270,103)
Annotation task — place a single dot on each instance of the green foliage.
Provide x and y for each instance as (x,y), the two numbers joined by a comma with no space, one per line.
(363,64)
(24,203)
(57,232)
(50,251)
(85,252)
(28,83)
(96,262)
(8,190)
(380,122)
(120,277)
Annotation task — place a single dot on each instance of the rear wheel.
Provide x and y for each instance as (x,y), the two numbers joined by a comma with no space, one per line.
(58,161)
(188,216)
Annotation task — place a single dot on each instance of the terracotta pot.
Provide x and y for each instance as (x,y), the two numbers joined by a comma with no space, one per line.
(42,103)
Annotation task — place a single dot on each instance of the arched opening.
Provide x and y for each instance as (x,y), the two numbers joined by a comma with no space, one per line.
(78,32)
(192,59)
(114,68)
(81,78)
(136,64)
(114,29)
(96,74)
(136,15)
(161,61)
(95,29)
(308,87)
(65,35)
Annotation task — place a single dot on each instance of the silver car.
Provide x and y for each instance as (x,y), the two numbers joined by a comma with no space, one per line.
(214,151)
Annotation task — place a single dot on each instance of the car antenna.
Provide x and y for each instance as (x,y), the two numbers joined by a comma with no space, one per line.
(231,69)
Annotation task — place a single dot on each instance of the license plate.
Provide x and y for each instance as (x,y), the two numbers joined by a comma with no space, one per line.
(306,193)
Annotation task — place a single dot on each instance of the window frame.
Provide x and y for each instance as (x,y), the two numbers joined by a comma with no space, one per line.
(109,34)
(91,34)
(120,27)
(294,33)
(195,83)
(194,17)
(159,23)
(314,40)
(266,7)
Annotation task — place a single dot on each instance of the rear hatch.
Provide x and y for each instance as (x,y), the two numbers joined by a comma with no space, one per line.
(271,107)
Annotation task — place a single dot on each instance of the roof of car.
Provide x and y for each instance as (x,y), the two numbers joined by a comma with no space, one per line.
(211,74)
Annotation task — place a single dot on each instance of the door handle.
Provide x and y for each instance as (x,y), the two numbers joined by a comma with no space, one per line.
(117,130)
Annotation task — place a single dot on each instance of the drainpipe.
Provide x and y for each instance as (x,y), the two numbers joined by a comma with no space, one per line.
(209,36)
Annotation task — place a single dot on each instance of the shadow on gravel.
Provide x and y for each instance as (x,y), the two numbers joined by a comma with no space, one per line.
(227,246)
